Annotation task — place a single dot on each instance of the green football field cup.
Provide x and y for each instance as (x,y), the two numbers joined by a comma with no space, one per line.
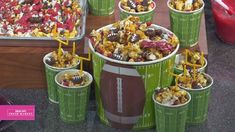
(144,16)
(198,107)
(186,25)
(73,100)
(153,74)
(50,77)
(101,7)
(170,118)
(180,57)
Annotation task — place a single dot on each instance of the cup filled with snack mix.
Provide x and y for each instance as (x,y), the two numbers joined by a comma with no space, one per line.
(198,84)
(73,92)
(171,107)
(185,19)
(134,56)
(144,9)
(101,7)
(55,63)
(193,57)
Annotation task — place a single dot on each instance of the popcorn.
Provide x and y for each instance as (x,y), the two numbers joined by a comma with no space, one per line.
(74,80)
(200,82)
(194,57)
(33,15)
(128,40)
(137,5)
(170,96)
(64,61)
(186,5)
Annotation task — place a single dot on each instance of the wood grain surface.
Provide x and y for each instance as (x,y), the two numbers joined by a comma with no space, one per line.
(21,61)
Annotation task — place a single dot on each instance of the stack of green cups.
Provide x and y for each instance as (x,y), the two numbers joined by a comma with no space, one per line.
(186,25)
(101,7)
(50,76)
(73,100)
(170,118)
(144,16)
(198,107)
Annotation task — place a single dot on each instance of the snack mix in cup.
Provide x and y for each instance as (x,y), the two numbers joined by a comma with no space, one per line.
(194,57)
(131,41)
(38,18)
(186,5)
(189,82)
(66,60)
(137,5)
(74,80)
(172,95)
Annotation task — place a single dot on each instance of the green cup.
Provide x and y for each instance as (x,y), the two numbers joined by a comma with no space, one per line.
(50,76)
(101,7)
(170,118)
(180,57)
(73,100)
(144,16)
(186,25)
(198,107)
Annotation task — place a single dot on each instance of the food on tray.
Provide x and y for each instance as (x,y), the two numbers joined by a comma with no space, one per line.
(74,80)
(194,57)
(37,18)
(186,5)
(137,5)
(188,81)
(132,41)
(64,61)
(172,95)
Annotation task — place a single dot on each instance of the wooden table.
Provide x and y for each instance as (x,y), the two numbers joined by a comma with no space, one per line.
(21,62)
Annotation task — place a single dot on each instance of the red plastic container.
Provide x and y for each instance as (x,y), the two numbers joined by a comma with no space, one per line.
(225,23)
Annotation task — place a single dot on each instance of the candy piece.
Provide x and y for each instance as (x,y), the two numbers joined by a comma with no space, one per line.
(117,56)
(114,30)
(113,37)
(150,32)
(77,79)
(134,38)
(50,61)
(36,19)
(131,4)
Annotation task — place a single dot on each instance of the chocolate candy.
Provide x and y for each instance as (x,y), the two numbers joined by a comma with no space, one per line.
(144,3)
(134,38)
(131,4)
(158,32)
(50,61)
(36,20)
(117,56)
(150,32)
(114,30)
(113,37)
(77,79)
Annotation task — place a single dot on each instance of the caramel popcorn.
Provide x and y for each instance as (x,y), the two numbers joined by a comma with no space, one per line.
(137,5)
(64,61)
(170,96)
(130,40)
(200,82)
(186,5)
(194,57)
(74,80)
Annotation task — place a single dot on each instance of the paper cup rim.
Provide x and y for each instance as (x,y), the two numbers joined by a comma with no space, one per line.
(186,12)
(136,13)
(199,69)
(172,106)
(75,87)
(201,89)
(56,68)
(135,63)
